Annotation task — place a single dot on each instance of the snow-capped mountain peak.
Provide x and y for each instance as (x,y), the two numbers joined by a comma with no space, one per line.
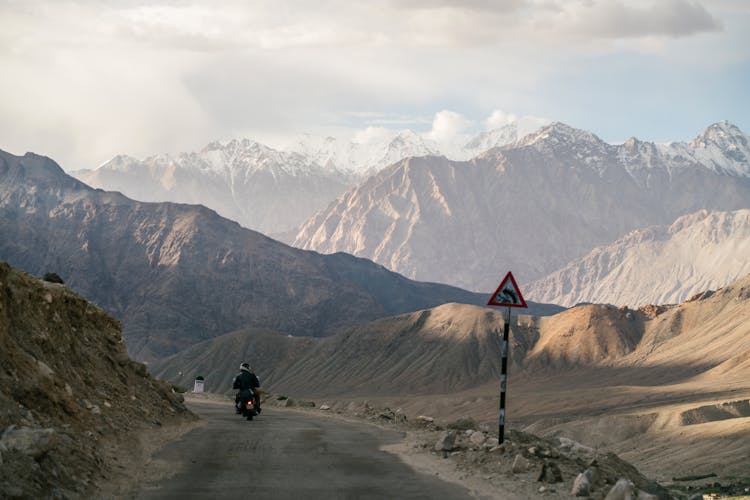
(723,134)
(558,133)
(725,139)
(120,163)
(722,147)
(495,138)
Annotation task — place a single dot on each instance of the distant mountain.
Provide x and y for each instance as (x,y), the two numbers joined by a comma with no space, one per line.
(530,207)
(616,379)
(457,347)
(371,156)
(177,274)
(657,265)
(451,347)
(261,188)
(268,190)
(363,158)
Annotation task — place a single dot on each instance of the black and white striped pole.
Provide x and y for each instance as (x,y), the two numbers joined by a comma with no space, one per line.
(507,295)
(503,379)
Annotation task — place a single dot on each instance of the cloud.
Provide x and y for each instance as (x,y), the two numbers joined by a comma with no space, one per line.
(524,124)
(618,20)
(201,26)
(372,135)
(447,125)
(84,79)
(478,5)
(499,119)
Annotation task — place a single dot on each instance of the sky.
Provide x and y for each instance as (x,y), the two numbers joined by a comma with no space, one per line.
(85,80)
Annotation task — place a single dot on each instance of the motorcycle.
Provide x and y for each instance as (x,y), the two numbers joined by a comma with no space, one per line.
(246,406)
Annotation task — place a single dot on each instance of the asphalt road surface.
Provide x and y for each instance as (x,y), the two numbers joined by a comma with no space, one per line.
(288,455)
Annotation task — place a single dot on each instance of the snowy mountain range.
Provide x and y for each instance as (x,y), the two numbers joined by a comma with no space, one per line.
(531,206)
(243,180)
(269,190)
(518,197)
(657,265)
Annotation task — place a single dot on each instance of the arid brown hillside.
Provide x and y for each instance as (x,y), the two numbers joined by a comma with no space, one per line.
(454,346)
(664,387)
(584,336)
(178,274)
(68,391)
(218,360)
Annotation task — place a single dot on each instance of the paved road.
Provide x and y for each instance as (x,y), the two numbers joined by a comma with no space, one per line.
(288,455)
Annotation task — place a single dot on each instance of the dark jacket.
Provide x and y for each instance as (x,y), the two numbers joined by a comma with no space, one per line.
(245,380)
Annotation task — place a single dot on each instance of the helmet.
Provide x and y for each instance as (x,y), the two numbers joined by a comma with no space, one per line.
(245,367)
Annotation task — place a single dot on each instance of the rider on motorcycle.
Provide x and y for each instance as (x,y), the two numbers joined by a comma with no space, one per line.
(247,384)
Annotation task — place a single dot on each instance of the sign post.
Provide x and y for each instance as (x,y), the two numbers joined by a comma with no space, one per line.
(507,295)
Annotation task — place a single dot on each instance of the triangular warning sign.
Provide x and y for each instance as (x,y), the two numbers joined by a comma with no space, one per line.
(507,294)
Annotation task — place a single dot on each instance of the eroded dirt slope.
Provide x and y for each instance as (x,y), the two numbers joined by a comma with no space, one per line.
(69,393)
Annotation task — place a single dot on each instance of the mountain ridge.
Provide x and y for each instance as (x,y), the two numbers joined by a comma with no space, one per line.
(655,265)
(159,266)
(575,194)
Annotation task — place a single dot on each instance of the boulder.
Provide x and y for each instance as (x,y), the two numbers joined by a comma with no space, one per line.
(581,486)
(446,441)
(491,443)
(642,495)
(33,442)
(520,465)
(549,472)
(624,489)
(477,438)
(573,448)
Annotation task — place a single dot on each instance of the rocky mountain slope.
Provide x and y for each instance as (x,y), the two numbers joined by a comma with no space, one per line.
(68,392)
(657,265)
(178,274)
(664,386)
(263,189)
(382,351)
(451,347)
(531,207)
(269,190)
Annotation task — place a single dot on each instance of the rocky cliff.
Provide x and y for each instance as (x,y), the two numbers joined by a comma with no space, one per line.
(68,391)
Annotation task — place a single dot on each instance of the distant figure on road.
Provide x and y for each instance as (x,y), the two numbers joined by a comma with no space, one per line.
(247,383)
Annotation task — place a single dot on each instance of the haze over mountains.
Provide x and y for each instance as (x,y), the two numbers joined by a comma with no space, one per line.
(176,274)
(532,206)
(531,200)
(657,265)
(269,190)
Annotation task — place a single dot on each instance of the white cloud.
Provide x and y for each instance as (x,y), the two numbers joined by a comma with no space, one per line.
(498,119)
(84,80)
(617,19)
(447,126)
(524,124)
(372,135)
